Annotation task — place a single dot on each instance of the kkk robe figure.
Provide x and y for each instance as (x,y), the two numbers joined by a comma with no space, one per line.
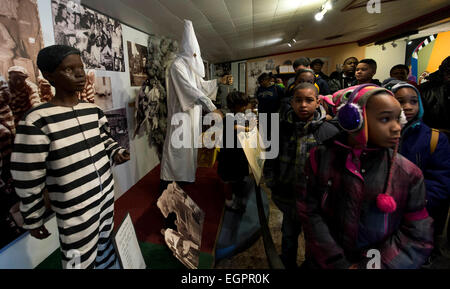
(188,94)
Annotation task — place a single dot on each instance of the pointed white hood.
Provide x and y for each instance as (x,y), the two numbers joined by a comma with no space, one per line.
(190,51)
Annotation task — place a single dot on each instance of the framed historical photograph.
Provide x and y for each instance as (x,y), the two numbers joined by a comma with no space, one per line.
(103,93)
(97,36)
(185,242)
(137,59)
(20,36)
(117,119)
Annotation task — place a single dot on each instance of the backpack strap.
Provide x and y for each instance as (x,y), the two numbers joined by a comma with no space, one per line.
(434,140)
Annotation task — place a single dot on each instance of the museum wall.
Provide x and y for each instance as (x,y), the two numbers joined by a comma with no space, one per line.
(27,252)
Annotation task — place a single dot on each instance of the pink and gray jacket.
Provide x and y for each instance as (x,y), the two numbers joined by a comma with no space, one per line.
(338,205)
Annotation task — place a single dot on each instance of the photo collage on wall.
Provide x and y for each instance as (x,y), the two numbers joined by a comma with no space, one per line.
(20,42)
(97,36)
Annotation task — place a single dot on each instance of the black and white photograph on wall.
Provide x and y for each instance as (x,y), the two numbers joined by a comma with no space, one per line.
(117,120)
(97,36)
(222,69)
(137,59)
(20,36)
(186,241)
(20,42)
(103,93)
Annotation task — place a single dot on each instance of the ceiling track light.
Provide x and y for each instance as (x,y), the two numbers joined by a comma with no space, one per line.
(323,10)
(394,45)
(293,39)
(289,44)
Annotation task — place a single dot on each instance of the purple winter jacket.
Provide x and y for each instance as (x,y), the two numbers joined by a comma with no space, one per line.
(341,219)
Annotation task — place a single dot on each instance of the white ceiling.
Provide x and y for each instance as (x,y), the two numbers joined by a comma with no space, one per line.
(240,29)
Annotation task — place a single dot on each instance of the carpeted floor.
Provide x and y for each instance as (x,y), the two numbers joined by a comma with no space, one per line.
(255,256)
(140,202)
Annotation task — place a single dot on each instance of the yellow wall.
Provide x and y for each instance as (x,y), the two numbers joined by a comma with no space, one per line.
(440,51)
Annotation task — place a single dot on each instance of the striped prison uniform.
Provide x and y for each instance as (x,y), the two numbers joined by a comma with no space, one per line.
(67,150)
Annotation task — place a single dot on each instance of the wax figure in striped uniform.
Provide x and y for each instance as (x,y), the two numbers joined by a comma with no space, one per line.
(63,146)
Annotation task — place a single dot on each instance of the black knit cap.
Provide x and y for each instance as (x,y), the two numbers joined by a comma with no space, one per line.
(50,57)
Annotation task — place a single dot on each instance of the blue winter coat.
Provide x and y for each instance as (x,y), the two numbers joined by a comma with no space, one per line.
(415,146)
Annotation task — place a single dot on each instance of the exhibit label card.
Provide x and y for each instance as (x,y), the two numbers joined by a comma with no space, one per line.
(127,246)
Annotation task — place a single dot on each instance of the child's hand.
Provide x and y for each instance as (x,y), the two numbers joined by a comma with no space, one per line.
(40,233)
(121,157)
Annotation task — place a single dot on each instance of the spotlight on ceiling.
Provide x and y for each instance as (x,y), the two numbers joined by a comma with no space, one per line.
(410,42)
(328,5)
(394,45)
(289,44)
(293,39)
(319,15)
(383,47)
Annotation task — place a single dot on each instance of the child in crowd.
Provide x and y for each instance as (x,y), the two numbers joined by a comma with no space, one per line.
(365,70)
(269,98)
(233,164)
(268,94)
(362,195)
(64,146)
(430,151)
(345,78)
(302,127)
(301,76)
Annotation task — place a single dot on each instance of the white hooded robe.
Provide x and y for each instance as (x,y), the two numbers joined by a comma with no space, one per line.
(187,93)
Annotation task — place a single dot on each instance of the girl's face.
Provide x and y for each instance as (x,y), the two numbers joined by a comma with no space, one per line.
(409,101)
(383,120)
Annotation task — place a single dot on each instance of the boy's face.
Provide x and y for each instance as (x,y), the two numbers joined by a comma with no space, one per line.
(69,75)
(400,74)
(409,101)
(317,67)
(265,82)
(350,66)
(305,102)
(383,120)
(364,72)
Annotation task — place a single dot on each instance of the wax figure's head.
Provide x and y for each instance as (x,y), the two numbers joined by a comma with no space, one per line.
(5,95)
(190,50)
(61,65)
(305,101)
(365,71)
(17,76)
(349,66)
(399,72)
(230,79)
